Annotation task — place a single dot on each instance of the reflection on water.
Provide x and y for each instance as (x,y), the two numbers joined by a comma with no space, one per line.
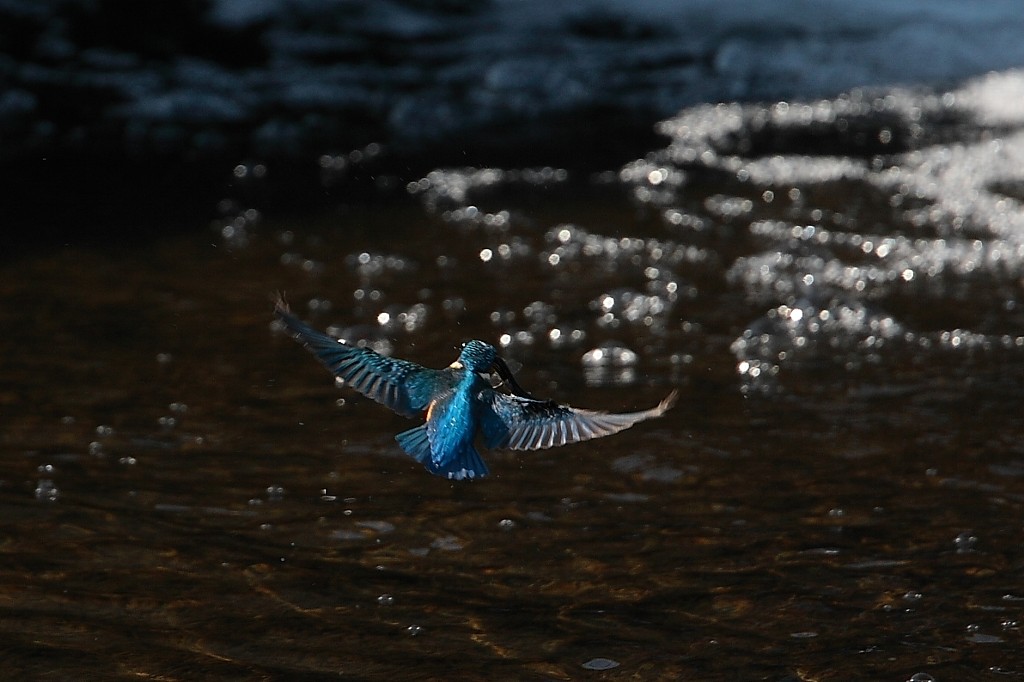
(838,493)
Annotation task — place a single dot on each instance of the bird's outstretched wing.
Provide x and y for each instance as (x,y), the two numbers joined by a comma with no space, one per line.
(403,386)
(520,423)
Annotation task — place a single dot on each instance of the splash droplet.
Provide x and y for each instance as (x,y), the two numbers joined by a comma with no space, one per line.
(46,491)
(600,664)
(965,542)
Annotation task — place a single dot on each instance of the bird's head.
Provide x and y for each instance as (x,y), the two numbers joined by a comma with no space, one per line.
(477,356)
(482,358)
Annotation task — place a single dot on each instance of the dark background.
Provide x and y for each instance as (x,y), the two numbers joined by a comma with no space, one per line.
(120,120)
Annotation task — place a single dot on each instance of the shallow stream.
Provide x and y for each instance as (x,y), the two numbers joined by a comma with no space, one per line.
(834,287)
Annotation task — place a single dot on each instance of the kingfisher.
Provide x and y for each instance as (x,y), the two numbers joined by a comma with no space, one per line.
(460,401)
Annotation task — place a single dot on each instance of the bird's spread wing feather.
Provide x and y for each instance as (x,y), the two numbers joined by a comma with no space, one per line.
(520,423)
(403,386)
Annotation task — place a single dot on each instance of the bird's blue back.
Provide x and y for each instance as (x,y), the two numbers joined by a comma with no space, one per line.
(453,418)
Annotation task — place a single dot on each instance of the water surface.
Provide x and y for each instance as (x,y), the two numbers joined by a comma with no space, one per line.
(185,494)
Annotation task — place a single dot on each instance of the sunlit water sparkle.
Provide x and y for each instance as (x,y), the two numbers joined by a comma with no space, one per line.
(838,494)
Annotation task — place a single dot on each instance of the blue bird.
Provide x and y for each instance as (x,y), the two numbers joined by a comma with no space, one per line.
(459,401)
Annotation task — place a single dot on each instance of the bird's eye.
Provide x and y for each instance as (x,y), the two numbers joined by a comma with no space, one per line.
(462,346)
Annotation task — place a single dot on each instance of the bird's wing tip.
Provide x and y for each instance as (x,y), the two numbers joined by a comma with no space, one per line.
(280,304)
(668,403)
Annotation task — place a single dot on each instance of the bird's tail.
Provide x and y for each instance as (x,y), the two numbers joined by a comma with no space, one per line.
(466,464)
(416,443)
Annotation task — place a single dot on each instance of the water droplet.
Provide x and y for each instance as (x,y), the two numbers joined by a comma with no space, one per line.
(601,664)
(414,630)
(921,677)
(385,600)
(46,490)
(506,524)
(965,542)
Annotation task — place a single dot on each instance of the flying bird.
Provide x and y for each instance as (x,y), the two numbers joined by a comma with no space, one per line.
(459,401)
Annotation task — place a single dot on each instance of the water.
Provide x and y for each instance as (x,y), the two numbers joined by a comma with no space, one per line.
(279,76)
(186,494)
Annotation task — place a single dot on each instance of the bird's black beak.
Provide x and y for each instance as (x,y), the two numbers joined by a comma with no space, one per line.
(505,373)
